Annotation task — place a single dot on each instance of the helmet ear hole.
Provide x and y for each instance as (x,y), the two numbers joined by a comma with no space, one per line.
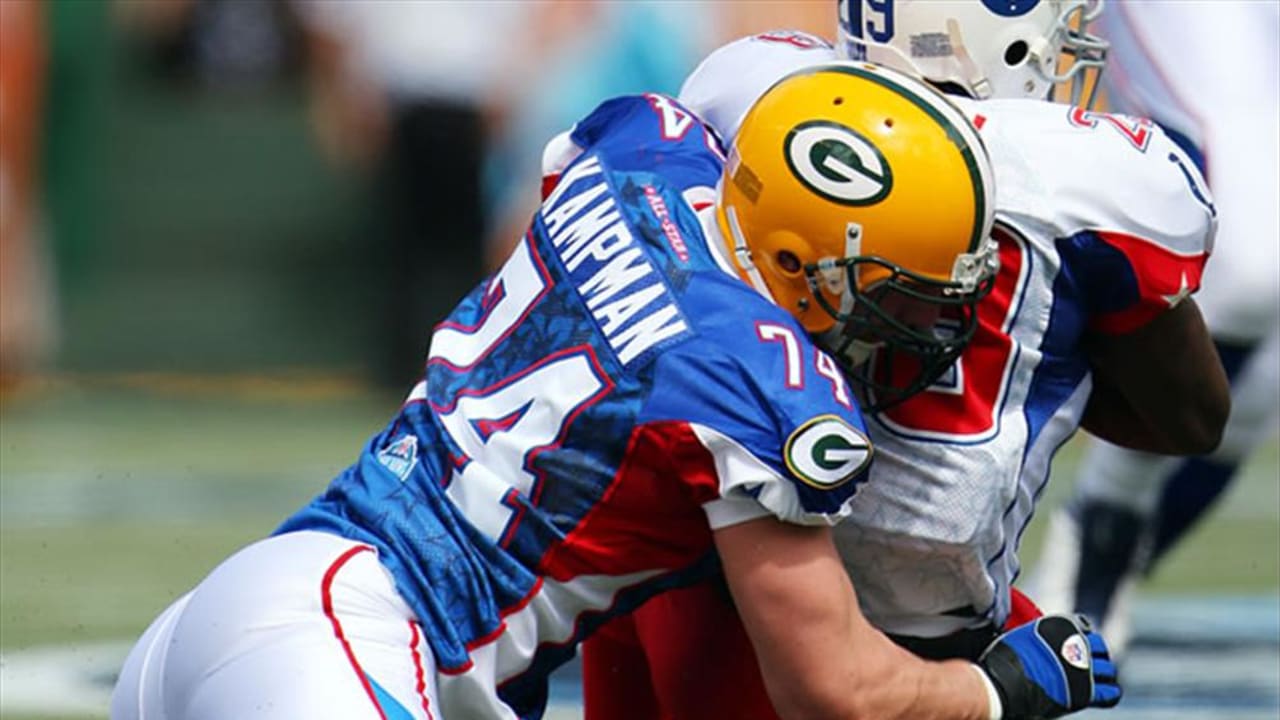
(788,262)
(1015,53)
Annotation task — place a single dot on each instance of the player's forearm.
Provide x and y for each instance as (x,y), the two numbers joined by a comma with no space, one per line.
(1160,388)
(819,656)
(944,691)
(1109,415)
(895,685)
(949,691)
(865,676)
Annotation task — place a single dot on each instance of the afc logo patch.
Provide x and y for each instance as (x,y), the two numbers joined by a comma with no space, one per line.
(400,456)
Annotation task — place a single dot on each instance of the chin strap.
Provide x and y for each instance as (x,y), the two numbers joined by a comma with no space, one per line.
(977,83)
(742,254)
(972,269)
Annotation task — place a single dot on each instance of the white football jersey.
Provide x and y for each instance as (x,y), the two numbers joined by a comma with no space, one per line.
(1103,223)
(1210,71)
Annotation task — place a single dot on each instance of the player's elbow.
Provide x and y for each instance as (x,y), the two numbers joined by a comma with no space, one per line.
(1198,427)
(1190,416)
(1204,433)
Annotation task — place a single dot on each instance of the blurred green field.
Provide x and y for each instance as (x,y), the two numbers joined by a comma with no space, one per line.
(116,496)
(114,500)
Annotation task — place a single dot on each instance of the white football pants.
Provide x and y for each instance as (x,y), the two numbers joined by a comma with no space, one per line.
(302,625)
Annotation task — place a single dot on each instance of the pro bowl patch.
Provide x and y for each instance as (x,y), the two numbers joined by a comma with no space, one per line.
(827,452)
(400,456)
(1076,652)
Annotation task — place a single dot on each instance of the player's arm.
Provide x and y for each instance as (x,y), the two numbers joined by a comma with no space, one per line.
(1159,385)
(821,659)
(1160,388)
(819,656)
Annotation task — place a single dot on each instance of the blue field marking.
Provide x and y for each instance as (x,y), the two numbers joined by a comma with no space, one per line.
(1202,657)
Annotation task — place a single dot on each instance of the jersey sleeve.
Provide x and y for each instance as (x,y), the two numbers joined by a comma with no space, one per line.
(776,417)
(636,133)
(559,153)
(729,80)
(1133,217)
(628,129)
(1127,280)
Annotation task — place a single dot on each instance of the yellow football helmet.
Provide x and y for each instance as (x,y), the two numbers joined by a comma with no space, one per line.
(851,194)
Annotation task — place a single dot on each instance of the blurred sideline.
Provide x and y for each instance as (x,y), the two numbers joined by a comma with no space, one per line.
(283,384)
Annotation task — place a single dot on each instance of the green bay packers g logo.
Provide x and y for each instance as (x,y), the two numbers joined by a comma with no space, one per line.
(837,163)
(827,452)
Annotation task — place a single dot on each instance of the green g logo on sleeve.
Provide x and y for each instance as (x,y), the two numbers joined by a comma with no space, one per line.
(827,452)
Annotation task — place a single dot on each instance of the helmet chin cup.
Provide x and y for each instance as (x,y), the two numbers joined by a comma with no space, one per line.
(860,351)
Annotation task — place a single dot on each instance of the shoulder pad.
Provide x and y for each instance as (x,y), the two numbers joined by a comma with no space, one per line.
(1079,170)
(725,84)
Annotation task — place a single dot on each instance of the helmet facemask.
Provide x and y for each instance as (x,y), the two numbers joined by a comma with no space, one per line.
(1083,56)
(897,335)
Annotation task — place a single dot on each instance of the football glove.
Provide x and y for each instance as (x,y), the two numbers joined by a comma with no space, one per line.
(1049,667)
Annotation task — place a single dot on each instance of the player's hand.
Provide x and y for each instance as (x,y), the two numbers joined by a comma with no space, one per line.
(1049,667)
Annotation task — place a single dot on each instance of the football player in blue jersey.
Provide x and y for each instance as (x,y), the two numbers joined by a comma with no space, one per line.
(654,387)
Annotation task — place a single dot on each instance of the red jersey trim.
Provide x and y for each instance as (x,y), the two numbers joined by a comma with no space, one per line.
(650,517)
(1164,279)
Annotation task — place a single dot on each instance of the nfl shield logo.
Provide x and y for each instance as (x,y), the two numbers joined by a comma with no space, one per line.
(1075,650)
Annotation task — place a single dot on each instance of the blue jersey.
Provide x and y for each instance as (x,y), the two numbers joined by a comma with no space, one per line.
(589,415)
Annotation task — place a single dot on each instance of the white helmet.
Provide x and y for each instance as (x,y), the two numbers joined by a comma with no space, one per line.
(985,48)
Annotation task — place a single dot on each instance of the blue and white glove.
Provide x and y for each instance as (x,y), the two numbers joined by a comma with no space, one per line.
(1050,667)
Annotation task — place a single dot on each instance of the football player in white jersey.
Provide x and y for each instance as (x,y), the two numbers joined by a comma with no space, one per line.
(1209,74)
(1104,226)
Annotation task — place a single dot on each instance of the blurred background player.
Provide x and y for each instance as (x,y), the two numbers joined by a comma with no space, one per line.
(420,113)
(1089,325)
(265,255)
(27,316)
(640,383)
(1208,73)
